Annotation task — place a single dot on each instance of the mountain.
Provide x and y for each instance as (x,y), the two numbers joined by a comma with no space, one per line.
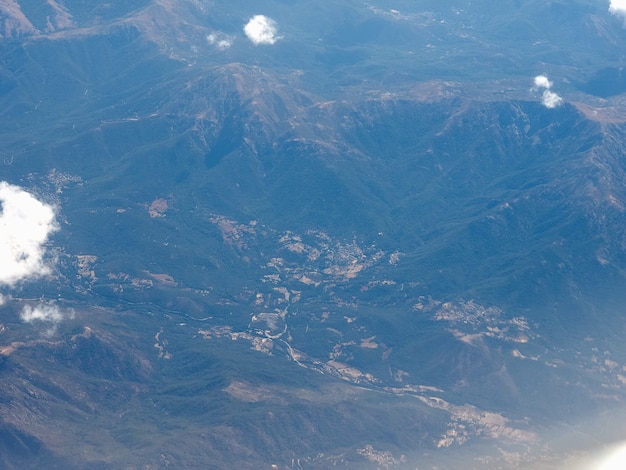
(358,236)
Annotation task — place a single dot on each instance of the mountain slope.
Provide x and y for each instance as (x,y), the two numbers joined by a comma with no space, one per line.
(369,245)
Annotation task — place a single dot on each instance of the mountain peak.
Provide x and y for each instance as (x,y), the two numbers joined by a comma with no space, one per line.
(13,22)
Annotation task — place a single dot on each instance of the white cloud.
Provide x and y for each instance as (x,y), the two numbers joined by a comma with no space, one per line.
(219,40)
(541,81)
(25,225)
(45,312)
(551,99)
(618,8)
(262,30)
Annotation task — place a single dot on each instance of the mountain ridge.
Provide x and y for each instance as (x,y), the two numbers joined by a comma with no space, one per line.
(371,244)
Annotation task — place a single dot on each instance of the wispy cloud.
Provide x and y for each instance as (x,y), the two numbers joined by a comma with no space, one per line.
(219,40)
(618,8)
(47,312)
(262,30)
(25,225)
(549,98)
